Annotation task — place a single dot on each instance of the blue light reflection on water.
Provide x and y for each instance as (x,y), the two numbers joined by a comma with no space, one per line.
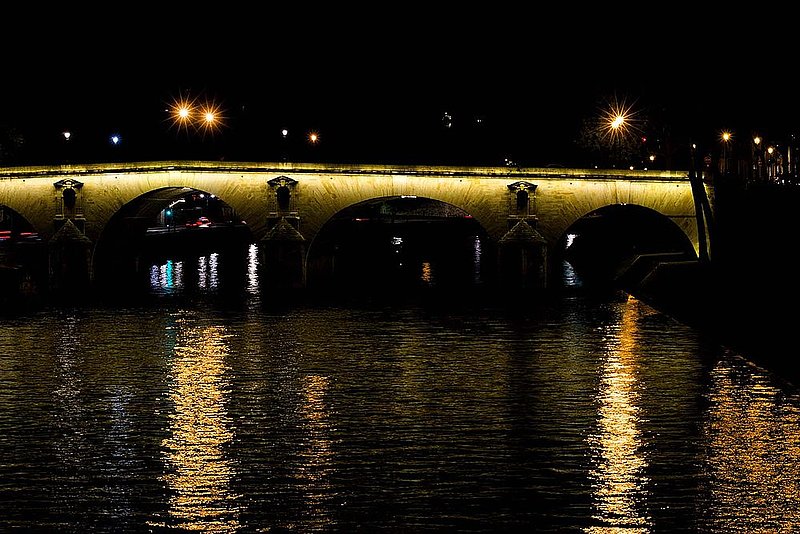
(580,413)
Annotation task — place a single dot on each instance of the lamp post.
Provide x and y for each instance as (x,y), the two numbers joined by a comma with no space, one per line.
(726,138)
(771,163)
(758,156)
(616,127)
(284,144)
(700,202)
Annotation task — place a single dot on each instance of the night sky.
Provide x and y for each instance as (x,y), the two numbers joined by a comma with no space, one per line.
(377,90)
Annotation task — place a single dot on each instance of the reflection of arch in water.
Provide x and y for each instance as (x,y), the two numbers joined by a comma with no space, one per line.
(400,241)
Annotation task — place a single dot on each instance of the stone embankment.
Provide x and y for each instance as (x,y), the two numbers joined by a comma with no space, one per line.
(746,295)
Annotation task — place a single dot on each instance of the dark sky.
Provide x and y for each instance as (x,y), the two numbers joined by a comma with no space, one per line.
(377,88)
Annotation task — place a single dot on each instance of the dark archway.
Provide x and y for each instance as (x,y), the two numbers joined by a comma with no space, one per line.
(14,227)
(23,255)
(601,245)
(166,225)
(401,243)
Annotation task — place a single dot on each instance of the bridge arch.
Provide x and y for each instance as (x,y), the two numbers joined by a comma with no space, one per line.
(21,248)
(335,193)
(400,241)
(563,202)
(603,241)
(12,222)
(163,222)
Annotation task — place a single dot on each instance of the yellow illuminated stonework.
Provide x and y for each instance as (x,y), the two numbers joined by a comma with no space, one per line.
(321,191)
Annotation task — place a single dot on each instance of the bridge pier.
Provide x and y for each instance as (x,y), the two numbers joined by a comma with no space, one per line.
(69,260)
(523,258)
(283,253)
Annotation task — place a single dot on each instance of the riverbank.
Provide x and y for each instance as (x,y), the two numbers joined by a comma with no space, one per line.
(746,295)
(750,321)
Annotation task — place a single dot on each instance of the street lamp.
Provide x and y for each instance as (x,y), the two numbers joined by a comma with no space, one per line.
(771,163)
(758,157)
(66,150)
(726,138)
(284,144)
(616,128)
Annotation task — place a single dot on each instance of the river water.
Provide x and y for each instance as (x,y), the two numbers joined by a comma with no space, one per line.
(575,411)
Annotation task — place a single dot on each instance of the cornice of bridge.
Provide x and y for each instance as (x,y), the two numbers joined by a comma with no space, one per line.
(268,168)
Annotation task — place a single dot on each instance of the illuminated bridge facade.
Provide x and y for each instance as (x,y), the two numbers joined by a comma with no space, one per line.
(548,200)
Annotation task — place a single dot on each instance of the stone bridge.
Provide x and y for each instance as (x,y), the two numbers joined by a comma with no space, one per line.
(309,195)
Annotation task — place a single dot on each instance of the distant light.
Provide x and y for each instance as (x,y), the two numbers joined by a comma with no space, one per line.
(181,111)
(186,112)
(447,119)
(67,135)
(618,120)
(631,167)
(115,139)
(313,137)
(726,136)
(652,157)
(213,118)
(757,140)
(770,150)
(284,132)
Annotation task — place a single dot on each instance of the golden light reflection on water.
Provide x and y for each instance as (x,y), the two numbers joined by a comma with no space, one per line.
(618,458)
(207,267)
(171,276)
(753,442)
(314,468)
(68,391)
(198,473)
(427,273)
(252,270)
